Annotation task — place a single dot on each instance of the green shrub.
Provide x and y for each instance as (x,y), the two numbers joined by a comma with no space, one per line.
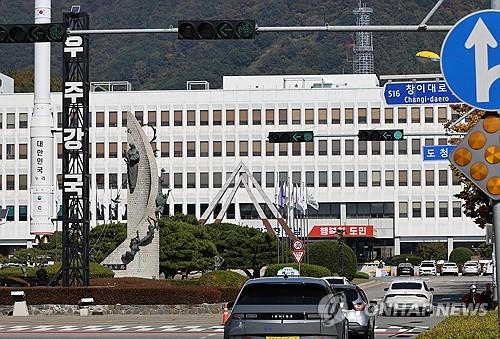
(96,270)
(184,282)
(306,270)
(222,279)
(326,253)
(412,259)
(362,275)
(465,326)
(17,272)
(460,255)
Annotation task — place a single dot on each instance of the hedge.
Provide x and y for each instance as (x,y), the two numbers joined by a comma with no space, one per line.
(460,255)
(222,279)
(362,275)
(327,253)
(465,326)
(306,270)
(412,259)
(168,295)
(96,271)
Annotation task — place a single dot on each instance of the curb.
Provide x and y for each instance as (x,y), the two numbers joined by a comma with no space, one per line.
(370,283)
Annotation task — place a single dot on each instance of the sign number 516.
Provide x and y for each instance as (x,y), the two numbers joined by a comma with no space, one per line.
(394,93)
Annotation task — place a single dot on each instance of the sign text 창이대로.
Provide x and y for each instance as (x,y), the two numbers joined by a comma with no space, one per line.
(418,92)
(438,152)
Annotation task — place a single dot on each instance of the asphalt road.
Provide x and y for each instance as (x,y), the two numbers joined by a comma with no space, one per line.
(448,291)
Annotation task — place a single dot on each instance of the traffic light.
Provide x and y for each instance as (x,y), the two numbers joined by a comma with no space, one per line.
(215,29)
(285,137)
(380,135)
(29,33)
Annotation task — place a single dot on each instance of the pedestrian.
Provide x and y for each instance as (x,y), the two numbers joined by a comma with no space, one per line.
(487,297)
(472,297)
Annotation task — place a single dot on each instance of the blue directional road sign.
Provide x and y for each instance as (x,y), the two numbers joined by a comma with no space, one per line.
(470,59)
(418,93)
(439,152)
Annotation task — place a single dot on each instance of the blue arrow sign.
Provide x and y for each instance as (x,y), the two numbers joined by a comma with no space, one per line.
(470,59)
(440,152)
(418,93)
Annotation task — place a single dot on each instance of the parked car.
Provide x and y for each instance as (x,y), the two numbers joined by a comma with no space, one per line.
(427,267)
(449,268)
(405,268)
(282,307)
(337,280)
(471,268)
(411,296)
(361,323)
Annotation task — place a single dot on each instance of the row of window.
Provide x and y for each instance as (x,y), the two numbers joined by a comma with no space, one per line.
(326,210)
(428,209)
(192,149)
(376,178)
(231,117)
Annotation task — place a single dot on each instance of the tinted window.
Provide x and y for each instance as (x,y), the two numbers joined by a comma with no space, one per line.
(427,264)
(406,286)
(405,265)
(450,265)
(351,294)
(282,294)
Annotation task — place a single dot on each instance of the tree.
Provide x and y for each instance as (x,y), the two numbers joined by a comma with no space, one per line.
(184,247)
(104,239)
(432,250)
(476,203)
(24,81)
(486,251)
(244,247)
(460,255)
(327,253)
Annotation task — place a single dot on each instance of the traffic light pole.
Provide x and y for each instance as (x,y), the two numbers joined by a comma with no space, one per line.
(325,28)
(430,134)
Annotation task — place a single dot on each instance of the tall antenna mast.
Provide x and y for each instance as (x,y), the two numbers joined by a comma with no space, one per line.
(363,62)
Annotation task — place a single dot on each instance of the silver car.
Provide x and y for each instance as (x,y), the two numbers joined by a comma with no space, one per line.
(361,322)
(283,307)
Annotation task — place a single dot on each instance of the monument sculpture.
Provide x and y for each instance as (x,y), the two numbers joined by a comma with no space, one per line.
(138,255)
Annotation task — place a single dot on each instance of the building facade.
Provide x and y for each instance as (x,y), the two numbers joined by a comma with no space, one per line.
(201,135)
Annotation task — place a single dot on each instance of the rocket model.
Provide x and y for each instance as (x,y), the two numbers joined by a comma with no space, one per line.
(41,137)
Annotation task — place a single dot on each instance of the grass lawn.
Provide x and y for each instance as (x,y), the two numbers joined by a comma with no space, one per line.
(465,327)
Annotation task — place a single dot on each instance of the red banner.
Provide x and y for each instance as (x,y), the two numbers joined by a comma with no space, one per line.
(350,231)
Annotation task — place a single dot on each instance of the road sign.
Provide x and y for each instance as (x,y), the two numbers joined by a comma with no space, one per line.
(298,255)
(470,59)
(380,135)
(477,156)
(298,245)
(285,137)
(438,152)
(418,93)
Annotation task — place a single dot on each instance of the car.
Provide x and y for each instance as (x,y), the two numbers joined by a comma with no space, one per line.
(337,280)
(405,268)
(471,268)
(488,267)
(449,268)
(427,267)
(411,296)
(283,307)
(361,322)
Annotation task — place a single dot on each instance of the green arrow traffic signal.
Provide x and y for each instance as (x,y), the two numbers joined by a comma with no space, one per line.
(216,29)
(286,137)
(381,135)
(31,33)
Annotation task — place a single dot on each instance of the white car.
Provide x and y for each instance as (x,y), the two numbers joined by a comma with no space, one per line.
(427,267)
(410,296)
(449,268)
(488,267)
(337,280)
(471,268)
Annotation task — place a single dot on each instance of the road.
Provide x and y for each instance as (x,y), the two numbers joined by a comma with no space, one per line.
(448,290)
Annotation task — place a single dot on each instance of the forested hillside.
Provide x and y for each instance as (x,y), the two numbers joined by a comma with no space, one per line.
(163,62)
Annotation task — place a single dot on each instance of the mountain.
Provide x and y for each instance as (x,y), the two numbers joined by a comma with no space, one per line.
(160,61)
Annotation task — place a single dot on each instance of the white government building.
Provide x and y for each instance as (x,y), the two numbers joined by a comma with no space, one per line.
(392,198)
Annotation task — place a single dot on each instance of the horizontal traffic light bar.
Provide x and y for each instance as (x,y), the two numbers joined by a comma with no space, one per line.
(216,29)
(380,135)
(286,137)
(30,33)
